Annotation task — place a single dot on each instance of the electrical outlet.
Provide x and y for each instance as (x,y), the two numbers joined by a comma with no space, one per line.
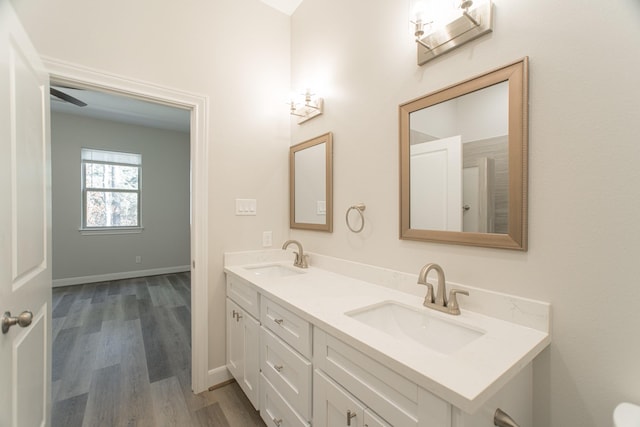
(267,239)
(138,259)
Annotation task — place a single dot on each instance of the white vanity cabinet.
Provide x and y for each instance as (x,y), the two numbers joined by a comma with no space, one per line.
(302,363)
(243,337)
(285,350)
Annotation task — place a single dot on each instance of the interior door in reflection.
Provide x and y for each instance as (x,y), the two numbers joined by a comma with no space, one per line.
(436,184)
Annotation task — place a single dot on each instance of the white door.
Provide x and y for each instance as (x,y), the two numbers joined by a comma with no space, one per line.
(25,227)
(471,200)
(436,184)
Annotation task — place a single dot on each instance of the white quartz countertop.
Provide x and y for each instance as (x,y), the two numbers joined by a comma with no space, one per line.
(466,378)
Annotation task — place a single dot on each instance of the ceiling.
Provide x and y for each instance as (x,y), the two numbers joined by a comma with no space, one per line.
(119,108)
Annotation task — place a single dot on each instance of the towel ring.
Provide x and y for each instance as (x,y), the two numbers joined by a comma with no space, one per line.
(359,208)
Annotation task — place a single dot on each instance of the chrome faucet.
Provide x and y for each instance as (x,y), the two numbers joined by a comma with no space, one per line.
(301,260)
(440,302)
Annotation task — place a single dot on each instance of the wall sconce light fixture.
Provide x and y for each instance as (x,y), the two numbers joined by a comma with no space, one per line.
(448,28)
(308,108)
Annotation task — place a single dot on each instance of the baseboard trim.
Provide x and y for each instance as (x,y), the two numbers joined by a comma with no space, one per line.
(219,376)
(222,384)
(118,276)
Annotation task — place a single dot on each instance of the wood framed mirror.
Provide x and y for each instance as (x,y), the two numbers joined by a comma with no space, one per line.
(463,162)
(311,184)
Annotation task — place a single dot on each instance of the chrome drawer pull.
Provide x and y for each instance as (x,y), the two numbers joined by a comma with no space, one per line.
(349,416)
(278,321)
(278,367)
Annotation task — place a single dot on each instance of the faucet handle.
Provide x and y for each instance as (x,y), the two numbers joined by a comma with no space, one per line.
(452,305)
(428,299)
(301,261)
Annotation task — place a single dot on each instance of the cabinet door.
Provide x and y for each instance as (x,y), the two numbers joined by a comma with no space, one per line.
(235,341)
(251,338)
(372,420)
(333,406)
(243,350)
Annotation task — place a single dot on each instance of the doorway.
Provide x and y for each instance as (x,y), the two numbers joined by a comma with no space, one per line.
(65,74)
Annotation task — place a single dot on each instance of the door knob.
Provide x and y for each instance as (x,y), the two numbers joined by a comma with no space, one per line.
(23,320)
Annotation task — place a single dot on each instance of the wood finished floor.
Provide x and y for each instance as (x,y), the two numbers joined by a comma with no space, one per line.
(122,357)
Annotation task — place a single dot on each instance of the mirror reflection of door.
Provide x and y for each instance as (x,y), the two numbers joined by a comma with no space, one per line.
(436,187)
(479,120)
(478,200)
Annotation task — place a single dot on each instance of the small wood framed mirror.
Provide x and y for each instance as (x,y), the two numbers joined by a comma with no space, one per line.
(311,184)
(463,162)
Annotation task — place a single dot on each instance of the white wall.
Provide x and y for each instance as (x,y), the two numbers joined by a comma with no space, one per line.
(584,176)
(236,52)
(165,202)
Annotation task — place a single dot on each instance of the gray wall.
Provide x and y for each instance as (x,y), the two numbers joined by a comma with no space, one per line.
(164,242)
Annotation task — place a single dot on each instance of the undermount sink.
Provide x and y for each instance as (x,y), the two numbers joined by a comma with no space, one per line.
(417,325)
(272,270)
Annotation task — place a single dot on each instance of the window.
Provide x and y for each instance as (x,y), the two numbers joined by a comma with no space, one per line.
(110,189)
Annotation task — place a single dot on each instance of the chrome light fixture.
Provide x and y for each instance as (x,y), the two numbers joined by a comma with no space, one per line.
(308,108)
(448,27)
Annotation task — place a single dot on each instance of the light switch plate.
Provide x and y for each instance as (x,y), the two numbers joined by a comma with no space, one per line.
(246,206)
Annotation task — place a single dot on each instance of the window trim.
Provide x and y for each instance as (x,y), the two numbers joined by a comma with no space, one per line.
(88,230)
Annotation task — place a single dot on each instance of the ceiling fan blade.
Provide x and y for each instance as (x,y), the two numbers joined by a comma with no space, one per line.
(67,97)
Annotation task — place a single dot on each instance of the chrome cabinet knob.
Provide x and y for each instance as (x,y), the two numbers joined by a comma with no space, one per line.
(23,320)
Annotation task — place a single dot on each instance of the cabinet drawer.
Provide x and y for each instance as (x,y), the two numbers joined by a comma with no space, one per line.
(274,410)
(243,294)
(289,372)
(398,400)
(292,329)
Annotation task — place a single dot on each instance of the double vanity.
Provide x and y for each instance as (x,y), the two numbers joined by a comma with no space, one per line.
(347,344)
